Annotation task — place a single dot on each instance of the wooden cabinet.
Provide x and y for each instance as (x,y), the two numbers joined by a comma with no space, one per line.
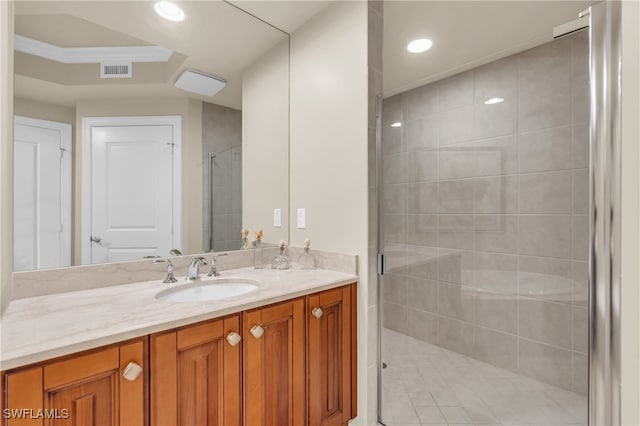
(196,378)
(274,382)
(195,375)
(330,353)
(85,390)
(287,364)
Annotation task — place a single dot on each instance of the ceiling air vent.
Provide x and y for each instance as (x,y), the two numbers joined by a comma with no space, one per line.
(115,70)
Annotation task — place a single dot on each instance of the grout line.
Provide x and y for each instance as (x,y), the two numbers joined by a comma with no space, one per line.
(487,177)
(457,249)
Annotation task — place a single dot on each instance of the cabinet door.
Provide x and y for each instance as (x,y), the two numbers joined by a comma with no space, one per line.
(134,401)
(274,392)
(87,386)
(195,375)
(84,390)
(329,357)
(23,391)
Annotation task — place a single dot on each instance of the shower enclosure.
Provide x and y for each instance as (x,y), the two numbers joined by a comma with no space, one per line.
(489,185)
(222,174)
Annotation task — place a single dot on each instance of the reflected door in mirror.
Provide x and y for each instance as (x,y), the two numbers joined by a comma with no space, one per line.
(132,210)
(42,194)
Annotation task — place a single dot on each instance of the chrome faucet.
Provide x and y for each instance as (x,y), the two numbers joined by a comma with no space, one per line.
(214,265)
(170,278)
(194,268)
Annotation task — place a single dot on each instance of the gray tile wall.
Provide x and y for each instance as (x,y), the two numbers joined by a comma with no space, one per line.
(222,136)
(486,213)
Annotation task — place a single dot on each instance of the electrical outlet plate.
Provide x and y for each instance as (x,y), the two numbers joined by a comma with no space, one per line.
(277,218)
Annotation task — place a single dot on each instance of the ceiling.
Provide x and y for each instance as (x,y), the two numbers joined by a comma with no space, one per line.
(220,39)
(285,15)
(216,38)
(77,32)
(465,34)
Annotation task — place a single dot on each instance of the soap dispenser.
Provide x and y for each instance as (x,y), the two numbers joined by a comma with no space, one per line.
(281,261)
(307,260)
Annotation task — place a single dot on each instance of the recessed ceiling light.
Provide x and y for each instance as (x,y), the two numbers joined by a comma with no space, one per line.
(396,124)
(169,11)
(420,45)
(493,101)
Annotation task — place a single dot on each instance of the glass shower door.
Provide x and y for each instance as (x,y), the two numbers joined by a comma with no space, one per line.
(485,227)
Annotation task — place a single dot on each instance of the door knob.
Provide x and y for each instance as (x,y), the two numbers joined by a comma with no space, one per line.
(257,331)
(96,239)
(132,371)
(233,338)
(317,312)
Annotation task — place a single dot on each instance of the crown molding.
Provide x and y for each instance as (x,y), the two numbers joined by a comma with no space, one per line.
(91,55)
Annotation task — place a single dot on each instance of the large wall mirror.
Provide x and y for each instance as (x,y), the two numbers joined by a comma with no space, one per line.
(121,155)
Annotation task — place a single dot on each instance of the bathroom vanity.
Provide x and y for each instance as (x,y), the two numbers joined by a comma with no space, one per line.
(284,354)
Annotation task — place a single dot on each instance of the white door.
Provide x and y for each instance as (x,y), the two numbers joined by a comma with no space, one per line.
(42,194)
(132,200)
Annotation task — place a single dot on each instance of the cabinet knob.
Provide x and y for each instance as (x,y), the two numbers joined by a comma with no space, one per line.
(233,338)
(132,371)
(257,331)
(317,312)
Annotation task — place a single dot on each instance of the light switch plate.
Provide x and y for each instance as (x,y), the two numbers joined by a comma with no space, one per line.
(277,218)
(302,218)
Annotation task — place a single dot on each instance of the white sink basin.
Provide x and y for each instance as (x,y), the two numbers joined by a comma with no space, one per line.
(210,289)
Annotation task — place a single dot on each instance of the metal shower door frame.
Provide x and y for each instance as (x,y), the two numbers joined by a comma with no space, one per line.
(207,238)
(379,252)
(605,213)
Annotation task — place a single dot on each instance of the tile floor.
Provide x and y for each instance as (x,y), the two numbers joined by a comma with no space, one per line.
(425,384)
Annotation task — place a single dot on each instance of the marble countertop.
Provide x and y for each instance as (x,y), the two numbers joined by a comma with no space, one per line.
(38,328)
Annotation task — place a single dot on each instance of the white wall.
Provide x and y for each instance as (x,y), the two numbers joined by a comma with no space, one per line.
(328,153)
(192,182)
(191,112)
(44,111)
(265,144)
(329,128)
(6,152)
(630,327)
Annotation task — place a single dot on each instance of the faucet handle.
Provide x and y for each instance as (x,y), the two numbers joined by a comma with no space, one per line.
(216,256)
(170,278)
(214,265)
